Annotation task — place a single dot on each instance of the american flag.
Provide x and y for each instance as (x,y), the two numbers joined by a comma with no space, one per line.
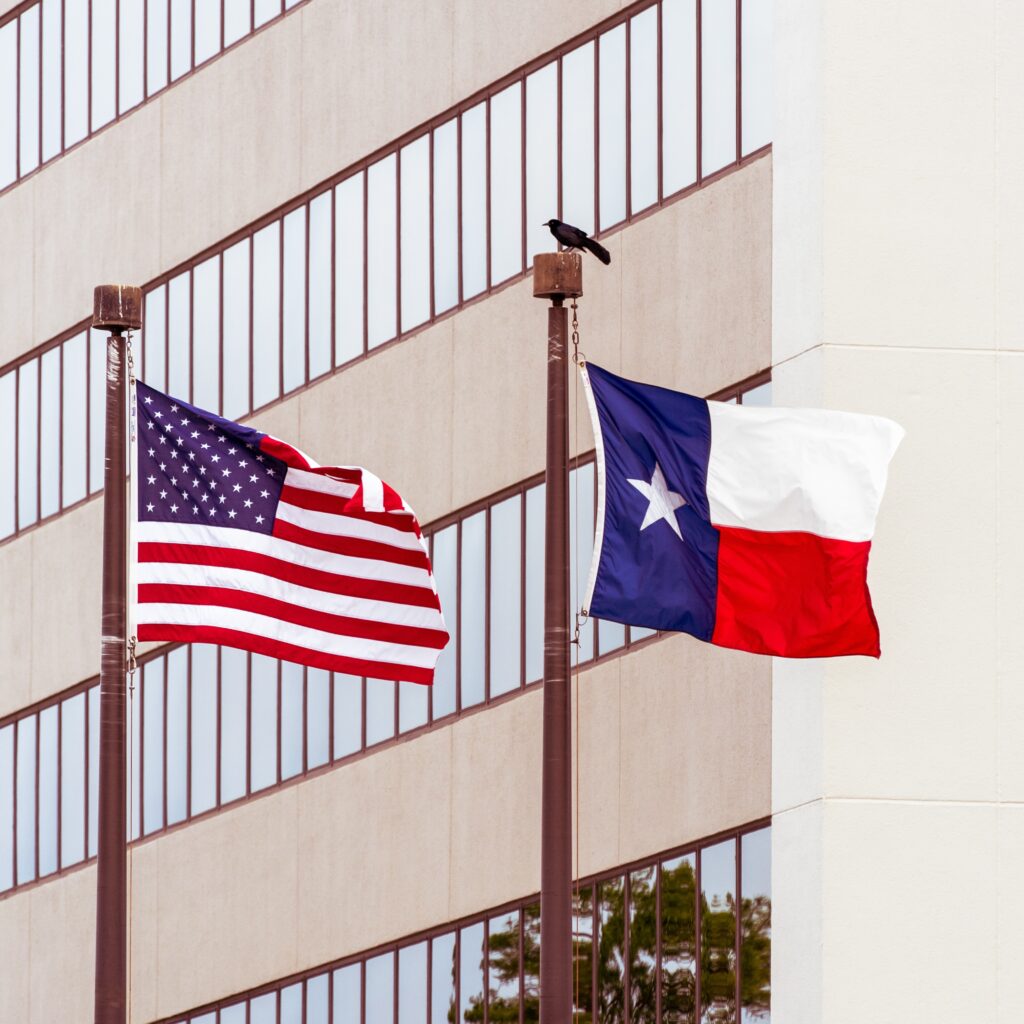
(244,542)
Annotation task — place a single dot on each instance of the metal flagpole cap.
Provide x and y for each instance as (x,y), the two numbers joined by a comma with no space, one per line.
(558,275)
(117,305)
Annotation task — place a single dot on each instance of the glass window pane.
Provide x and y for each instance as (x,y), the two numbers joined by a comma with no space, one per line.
(76,71)
(318,721)
(415,227)
(234,702)
(442,980)
(347,999)
(154,338)
(756,927)
(236,20)
(203,695)
(264,722)
(133,710)
(412,706)
(76,381)
(446,217)
(265,10)
(541,159)
(578,137)
(206,334)
(236,330)
(348,269)
(583,953)
(49,434)
(28,442)
(718,932)
(29,89)
(611,950)
(643,106)
(348,714)
(292,684)
(444,562)
(380,710)
(97,407)
(316,1000)
(612,114)
(52,60)
(503,968)
(718,84)
(6,807)
(266,314)
(474,201)
(380,989)
(130,49)
(320,285)
(534,625)
(756,50)
(93,743)
(177,735)
(181,38)
(678,94)
(679,940)
(412,984)
(153,745)
(294,319)
(104,66)
(610,635)
(506,591)
(263,1009)
(8,457)
(471,973)
(211,1018)
(761,395)
(473,609)
(207,30)
(156,45)
(26,783)
(643,930)
(72,781)
(8,103)
(581,537)
(291,1005)
(233,1014)
(179,330)
(506,183)
(48,790)
(381,267)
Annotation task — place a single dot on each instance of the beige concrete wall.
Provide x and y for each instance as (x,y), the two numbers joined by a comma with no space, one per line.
(457,411)
(334,82)
(898,784)
(673,745)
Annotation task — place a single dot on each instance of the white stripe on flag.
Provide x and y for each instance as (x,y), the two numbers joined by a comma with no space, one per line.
(249,582)
(346,526)
(286,632)
(808,470)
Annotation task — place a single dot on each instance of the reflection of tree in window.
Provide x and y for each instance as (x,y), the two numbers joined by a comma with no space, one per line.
(678,941)
(718,933)
(583,955)
(611,951)
(643,937)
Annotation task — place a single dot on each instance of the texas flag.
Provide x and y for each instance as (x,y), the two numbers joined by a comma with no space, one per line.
(747,527)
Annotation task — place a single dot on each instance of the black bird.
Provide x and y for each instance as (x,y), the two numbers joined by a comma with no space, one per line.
(576,238)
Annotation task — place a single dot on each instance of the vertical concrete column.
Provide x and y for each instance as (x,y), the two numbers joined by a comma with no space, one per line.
(898,785)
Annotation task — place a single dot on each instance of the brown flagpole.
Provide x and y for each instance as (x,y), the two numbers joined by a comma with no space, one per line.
(116,309)
(556,276)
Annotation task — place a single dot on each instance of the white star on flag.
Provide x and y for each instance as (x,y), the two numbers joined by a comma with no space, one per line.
(663,502)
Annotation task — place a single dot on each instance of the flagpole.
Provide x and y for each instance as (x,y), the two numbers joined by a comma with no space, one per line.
(116,309)
(556,276)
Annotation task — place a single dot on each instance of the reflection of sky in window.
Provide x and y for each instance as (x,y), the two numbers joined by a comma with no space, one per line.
(263,741)
(233,1014)
(233,700)
(235,337)
(718,84)
(541,158)
(578,137)
(76,70)
(348,714)
(643,103)
(6,807)
(177,734)
(294,299)
(348,269)
(29,88)
(446,217)
(26,797)
(7,455)
(412,984)
(506,581)
(756,864)
(442,981)
(443,561)
(473,608)
(471,970)
(52,57)
(380,710)
(156,45)
(8,102)
(206,334)
(506,183)
(291,719)
(381,268)
(152,686)
(72,794)
(318,722)
(103,61)
(474,200)
(415,228)
(263,1009)
(612,114)
(75,382)
(756,50)
(316,1000)
(130,49)
(380,990)
(347,1001)
(48,790)
(291,1005)
(204,729)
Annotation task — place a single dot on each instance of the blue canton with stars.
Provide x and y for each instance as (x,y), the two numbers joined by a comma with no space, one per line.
(197,467)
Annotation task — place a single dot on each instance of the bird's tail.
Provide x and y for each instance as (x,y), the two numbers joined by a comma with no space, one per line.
(598,250)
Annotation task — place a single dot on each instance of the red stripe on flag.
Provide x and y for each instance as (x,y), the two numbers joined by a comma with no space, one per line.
(793,594)
(289,572)
(318,501)
(353,546)
(287,652)
(260,604)
(285,452)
